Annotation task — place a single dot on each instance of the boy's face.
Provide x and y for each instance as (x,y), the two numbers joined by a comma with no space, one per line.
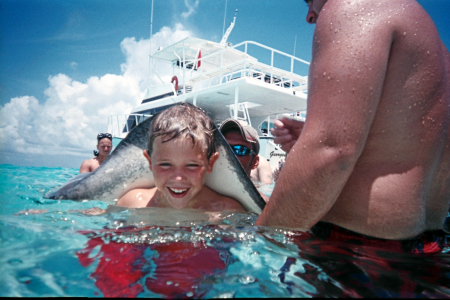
(179,170)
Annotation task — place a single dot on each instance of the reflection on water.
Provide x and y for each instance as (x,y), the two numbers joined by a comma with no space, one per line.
(166,253)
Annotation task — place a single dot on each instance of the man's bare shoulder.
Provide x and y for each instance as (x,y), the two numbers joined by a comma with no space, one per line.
(137,198)
(363,15)
(89,165)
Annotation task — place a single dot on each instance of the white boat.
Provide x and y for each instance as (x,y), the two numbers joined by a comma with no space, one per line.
(226,81)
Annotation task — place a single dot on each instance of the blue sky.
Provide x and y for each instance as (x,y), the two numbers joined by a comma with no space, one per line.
(66,65)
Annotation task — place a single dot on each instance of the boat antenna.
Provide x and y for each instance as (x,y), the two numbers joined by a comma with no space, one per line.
(150,71)
(225,36)
(224,17)
(295,44)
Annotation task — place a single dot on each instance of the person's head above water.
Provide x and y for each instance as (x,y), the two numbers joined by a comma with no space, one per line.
(104,144)
(104,147)
(244,141)
(183,121)
(181,152)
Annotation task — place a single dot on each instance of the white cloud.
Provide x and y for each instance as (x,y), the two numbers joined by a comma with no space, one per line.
(73,65)
(73,112)
(191,8)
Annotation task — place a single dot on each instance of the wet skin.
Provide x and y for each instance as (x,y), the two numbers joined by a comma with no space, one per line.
(104,147)
(374,153)
(179,169)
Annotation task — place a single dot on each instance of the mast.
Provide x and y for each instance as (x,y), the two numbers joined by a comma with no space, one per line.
(224,18)
(150,67)
(225,36)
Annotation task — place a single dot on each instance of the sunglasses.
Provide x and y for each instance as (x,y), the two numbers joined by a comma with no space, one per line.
(104,135)
(241,150)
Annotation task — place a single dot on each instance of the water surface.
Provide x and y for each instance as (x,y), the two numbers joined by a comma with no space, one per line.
(167,253)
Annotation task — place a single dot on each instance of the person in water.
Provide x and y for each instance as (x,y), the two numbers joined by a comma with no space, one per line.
(181,151)
(104,146)
(373,155)
(244,141)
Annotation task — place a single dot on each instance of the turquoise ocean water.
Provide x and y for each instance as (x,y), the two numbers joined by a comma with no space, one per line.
(157,253)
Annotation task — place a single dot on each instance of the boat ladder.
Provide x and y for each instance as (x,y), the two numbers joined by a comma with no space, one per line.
(241,114)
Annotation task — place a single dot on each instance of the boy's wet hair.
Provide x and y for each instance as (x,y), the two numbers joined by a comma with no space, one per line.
(186,121)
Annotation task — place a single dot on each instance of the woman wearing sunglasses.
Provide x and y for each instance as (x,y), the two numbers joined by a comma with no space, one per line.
(104,146)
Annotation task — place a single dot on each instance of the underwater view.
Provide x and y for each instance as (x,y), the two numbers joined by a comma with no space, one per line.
(53,248)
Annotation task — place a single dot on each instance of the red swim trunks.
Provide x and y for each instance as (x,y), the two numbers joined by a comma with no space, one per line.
(428,242)
(342,263)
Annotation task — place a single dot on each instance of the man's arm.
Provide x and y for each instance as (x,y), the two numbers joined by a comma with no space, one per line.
(350,56)
(264,171)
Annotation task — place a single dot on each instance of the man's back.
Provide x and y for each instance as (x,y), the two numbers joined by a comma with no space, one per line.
(400,185)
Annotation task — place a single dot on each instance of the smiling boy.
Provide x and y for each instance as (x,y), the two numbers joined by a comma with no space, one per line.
(181,152)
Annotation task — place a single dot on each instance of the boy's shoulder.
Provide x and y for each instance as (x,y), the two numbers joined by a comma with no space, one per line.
(137,198)
(218,202)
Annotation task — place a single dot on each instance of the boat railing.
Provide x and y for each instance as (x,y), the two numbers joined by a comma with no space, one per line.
(227,69)
(120,125)
(266,78)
